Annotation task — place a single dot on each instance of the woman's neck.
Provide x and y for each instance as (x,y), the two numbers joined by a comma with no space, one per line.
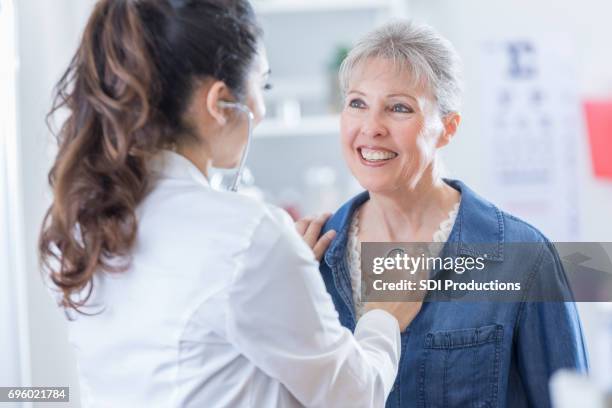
(407,214)
(197,155)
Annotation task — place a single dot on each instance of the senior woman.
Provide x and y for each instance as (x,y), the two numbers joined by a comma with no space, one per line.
(402,93)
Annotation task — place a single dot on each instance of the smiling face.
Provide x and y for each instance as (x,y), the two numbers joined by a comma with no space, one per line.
(390,129)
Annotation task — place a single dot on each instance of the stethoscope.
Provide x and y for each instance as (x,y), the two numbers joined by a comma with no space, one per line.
(250,117)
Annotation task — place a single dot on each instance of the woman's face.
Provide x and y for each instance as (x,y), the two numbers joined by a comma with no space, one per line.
(230,145)
(389,129)
(258,82)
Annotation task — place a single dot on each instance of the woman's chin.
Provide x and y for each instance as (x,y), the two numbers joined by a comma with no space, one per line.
(226,164)
(376,184)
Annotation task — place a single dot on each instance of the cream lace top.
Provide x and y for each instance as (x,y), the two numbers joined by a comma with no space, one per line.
(353,253)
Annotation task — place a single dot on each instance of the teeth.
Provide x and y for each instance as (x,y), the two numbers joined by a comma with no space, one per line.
(376,155)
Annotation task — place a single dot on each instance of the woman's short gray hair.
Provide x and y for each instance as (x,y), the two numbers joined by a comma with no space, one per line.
(430,58)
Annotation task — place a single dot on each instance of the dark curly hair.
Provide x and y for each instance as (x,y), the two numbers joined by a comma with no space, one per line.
(125,92)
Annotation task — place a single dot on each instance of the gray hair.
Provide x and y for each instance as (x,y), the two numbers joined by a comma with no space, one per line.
(430,58)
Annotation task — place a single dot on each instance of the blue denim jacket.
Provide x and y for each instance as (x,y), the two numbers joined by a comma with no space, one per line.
(475,354)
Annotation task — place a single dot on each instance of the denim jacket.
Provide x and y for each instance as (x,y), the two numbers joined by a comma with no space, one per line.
(475,354)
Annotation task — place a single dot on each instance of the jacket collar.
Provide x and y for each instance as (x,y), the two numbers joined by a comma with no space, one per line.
(478,229)
(169,164)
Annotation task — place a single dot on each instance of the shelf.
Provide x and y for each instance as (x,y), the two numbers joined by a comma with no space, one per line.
(300,87)
(307,126)
(269,7)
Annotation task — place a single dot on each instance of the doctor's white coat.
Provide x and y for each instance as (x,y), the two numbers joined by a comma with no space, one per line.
(223,306)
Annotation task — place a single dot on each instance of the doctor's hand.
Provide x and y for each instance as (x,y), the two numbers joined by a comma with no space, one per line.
(310,229)
(404,312)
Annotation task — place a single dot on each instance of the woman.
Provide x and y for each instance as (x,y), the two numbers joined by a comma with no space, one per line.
(180,295)
(402,93)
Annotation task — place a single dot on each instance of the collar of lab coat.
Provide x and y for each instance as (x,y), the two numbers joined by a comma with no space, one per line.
(169,164)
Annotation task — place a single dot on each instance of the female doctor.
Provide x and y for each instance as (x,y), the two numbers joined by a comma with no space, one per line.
(179,295)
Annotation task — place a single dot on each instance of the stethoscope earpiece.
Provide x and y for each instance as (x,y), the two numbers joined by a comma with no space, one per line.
(226,104)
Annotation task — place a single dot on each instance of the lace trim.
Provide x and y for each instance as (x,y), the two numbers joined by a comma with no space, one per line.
(353,253)
(446,226)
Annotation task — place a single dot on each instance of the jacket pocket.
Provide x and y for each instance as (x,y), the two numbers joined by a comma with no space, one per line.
(460,368)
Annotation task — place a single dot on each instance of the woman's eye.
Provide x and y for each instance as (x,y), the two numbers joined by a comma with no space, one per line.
(356,103)
(401,108)
(267,86)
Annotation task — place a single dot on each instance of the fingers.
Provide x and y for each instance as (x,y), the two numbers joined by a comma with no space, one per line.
(310,229)
(322,244)
(302,225)
(311,235)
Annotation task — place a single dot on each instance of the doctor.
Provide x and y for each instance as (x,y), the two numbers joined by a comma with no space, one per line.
(179,295)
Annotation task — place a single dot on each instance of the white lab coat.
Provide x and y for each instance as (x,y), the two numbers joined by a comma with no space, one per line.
(223,306)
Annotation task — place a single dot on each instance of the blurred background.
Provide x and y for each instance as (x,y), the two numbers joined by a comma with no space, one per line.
(536,135)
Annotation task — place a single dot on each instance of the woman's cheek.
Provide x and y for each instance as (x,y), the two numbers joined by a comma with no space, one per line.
(347,137)
(349,126)
(258,107)
(347,149)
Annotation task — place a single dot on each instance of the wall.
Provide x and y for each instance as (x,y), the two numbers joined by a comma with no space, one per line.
(469,23)
(47,36)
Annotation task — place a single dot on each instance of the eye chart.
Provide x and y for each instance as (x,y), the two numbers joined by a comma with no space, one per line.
(532,125)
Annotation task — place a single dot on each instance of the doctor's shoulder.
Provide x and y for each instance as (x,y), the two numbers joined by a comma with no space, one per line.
(188,209)
(265,225)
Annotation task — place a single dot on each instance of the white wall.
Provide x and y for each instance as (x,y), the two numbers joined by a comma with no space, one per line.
(14,356)
(48,32)
(468,23)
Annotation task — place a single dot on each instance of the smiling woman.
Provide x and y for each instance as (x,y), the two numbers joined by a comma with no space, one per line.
(412,93)
(402,98)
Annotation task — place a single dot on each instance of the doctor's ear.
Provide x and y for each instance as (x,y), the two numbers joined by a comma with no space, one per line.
(217,93)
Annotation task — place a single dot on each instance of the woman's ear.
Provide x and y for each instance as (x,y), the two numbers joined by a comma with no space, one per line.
(217,92)
(451,124)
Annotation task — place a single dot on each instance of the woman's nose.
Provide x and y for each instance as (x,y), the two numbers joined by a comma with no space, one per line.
(373,125)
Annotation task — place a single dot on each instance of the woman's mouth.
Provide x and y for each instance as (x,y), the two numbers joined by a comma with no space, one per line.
(375,156)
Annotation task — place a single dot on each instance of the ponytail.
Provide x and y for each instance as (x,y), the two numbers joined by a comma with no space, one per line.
(125,90)
(98,176)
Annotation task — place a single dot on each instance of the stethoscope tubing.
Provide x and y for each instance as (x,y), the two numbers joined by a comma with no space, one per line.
(245,152)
